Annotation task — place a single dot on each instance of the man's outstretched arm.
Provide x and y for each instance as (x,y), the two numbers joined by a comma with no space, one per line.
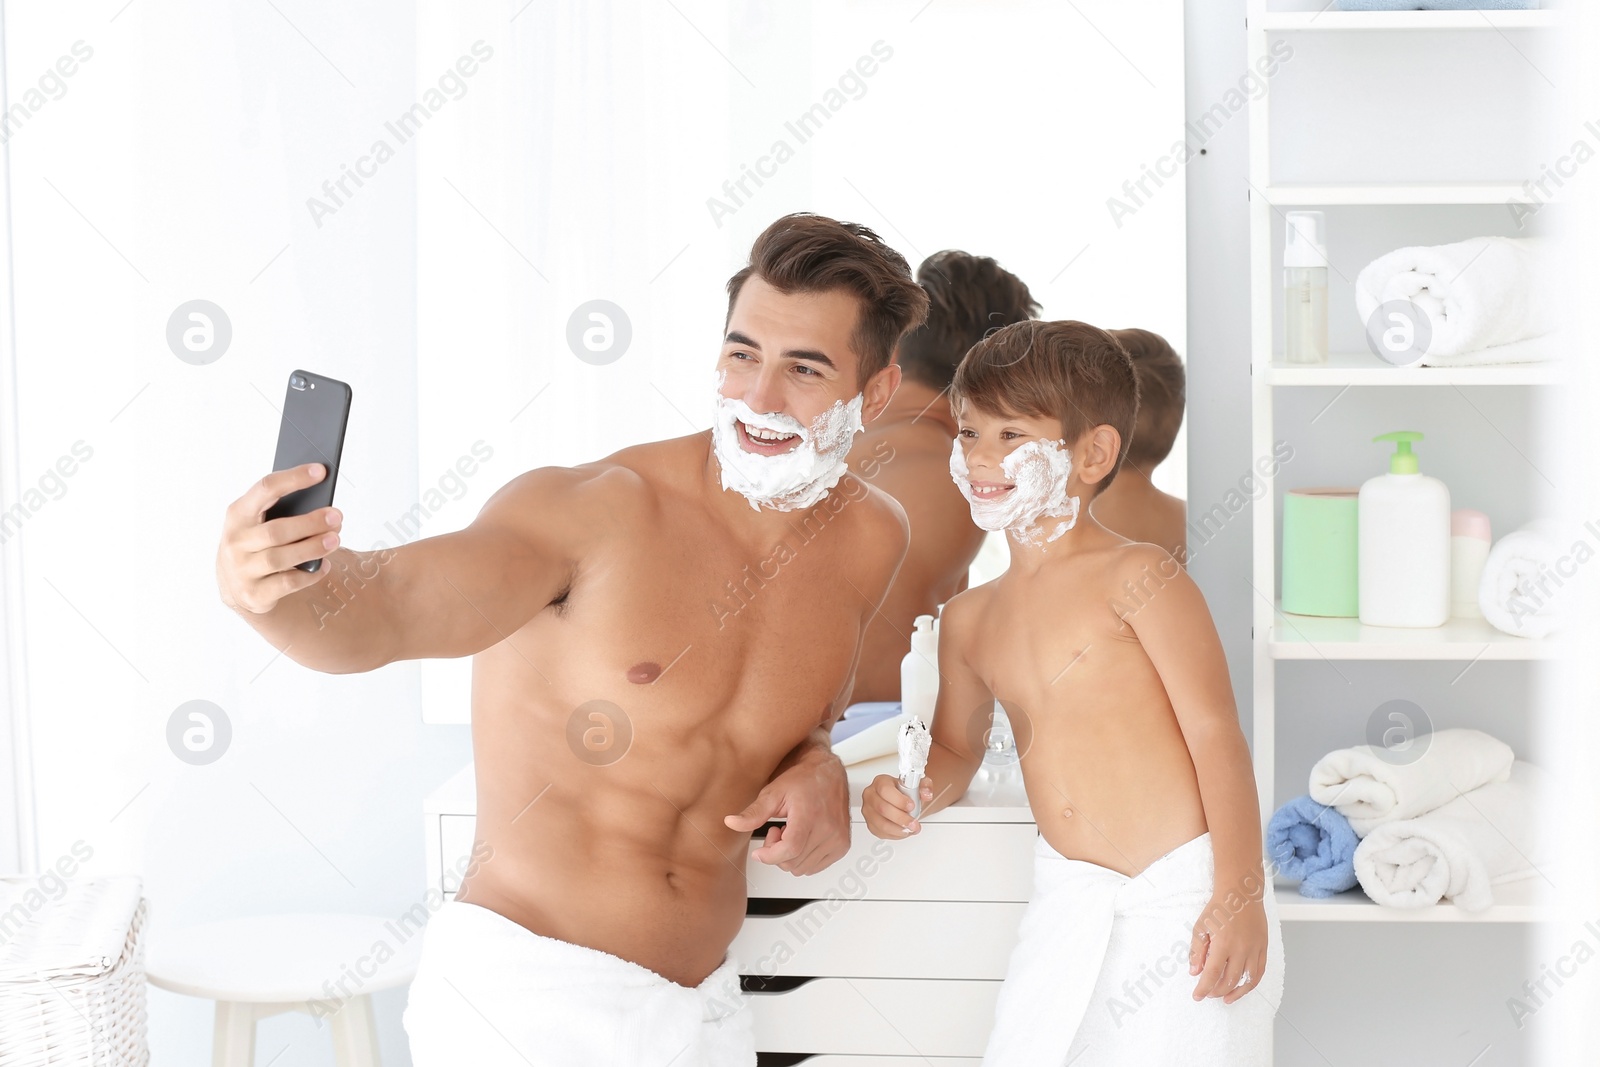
(439,597)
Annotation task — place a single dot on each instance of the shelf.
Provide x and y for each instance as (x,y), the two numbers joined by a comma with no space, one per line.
(1375,193)
(1313,637)
(1407,20)
(1364,368)
(1515,902)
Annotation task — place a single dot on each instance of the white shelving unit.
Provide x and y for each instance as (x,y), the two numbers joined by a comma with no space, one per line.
(1277,636)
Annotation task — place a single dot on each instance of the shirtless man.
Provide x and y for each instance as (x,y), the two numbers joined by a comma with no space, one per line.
(905,452)
(631,724)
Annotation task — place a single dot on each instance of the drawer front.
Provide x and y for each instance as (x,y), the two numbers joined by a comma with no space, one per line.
(946,861)
(877,1017)
(891,1061)
(881,939)
(455,850)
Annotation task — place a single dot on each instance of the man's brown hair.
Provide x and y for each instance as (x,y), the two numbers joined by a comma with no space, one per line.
(806,253)
(1161,396)
(1064,370)
(968,296)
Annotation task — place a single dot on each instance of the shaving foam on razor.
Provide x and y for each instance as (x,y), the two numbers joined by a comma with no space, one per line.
(915,742)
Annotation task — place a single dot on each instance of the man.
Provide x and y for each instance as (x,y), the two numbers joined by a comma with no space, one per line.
(906,453)
(661,638)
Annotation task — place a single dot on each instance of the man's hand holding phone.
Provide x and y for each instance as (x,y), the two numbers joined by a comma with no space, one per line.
(258,557)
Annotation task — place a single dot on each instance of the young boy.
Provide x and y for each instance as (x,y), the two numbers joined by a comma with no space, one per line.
(1104,655)
(1133,506)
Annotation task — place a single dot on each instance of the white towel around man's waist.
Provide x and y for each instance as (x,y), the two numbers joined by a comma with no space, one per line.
(1523,590)
(1478,295)
(1371,785)
(492,993)
(1100,973)
(1459,851)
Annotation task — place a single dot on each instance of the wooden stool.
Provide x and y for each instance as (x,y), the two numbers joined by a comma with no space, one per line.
(325,965)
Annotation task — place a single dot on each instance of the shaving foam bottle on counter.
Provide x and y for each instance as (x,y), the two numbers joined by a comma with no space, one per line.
(1403,543)
(919,670)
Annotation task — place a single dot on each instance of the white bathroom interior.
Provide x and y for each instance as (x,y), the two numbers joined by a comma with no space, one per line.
(595,155)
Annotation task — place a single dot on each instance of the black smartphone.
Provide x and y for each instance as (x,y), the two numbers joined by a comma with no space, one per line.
(315,411)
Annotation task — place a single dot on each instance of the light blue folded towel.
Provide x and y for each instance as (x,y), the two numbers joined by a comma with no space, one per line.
(1313,845)
(1438,5)
(858,717)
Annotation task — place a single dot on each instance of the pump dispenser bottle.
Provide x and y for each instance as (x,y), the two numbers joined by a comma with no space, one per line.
(1403,543)
(1305,288)
(919,671)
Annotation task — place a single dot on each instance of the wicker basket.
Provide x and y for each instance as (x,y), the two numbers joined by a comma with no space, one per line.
(72,984)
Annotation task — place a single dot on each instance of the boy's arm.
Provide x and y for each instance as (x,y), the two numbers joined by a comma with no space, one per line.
(1175,629)
(1174,626)
(952,762)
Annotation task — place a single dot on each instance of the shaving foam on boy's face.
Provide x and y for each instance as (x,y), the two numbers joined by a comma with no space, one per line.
(1032,492)
(773,459)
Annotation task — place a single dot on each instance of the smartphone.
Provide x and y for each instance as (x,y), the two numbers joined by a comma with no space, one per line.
(315,411)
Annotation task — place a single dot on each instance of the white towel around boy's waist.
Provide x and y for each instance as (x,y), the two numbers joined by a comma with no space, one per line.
(1060,971)
(492,993)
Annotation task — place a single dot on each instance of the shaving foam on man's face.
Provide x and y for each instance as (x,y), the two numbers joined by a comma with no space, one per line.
(1030,499)
(773,459)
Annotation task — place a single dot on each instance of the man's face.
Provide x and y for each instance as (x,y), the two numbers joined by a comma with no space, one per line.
(986,440)
(789,354)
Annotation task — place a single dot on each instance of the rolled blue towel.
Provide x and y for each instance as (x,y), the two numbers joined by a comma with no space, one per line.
(1438,5)
(1313,845)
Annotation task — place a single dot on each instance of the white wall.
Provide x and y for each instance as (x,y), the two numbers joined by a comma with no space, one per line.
(177,165)
(1369,107)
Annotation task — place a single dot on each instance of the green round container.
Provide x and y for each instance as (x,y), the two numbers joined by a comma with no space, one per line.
(1319,552)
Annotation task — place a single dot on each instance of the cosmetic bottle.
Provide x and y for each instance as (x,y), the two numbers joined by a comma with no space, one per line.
(1305,289)
(1403,543)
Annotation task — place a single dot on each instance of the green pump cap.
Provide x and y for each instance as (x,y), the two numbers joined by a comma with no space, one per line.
(1404,461)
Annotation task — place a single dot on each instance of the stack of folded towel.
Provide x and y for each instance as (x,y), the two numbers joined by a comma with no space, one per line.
(1487,299)
(1449,824)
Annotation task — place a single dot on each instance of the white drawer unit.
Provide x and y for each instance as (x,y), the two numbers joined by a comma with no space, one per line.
(877,1016)
(893,956)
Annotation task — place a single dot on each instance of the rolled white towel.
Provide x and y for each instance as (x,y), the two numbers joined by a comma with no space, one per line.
(1477,294)
(1457,852)
(1370,785)
(1522,591)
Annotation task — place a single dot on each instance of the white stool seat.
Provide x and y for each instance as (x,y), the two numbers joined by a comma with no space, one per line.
(262,965)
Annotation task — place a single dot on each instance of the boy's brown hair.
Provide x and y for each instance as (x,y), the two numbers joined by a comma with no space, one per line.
(1066,370)
(968,296)
(1161,396)
(806,253)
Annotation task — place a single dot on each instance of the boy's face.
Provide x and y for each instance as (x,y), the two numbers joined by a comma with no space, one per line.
(986,440)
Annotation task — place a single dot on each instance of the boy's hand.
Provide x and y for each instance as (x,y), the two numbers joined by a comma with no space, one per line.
(1228,950)
(888,811)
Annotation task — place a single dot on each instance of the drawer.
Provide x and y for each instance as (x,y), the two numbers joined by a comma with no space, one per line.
(828,1060)
(881,939)
(946,861)
(901,1017)
(455,850)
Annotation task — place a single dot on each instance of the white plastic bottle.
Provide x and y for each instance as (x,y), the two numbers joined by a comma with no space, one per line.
(1403,543)
(1305,289)
(919,671)
(1469,551)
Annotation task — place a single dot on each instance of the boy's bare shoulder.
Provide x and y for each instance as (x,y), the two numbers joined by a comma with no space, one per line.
(960,614)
